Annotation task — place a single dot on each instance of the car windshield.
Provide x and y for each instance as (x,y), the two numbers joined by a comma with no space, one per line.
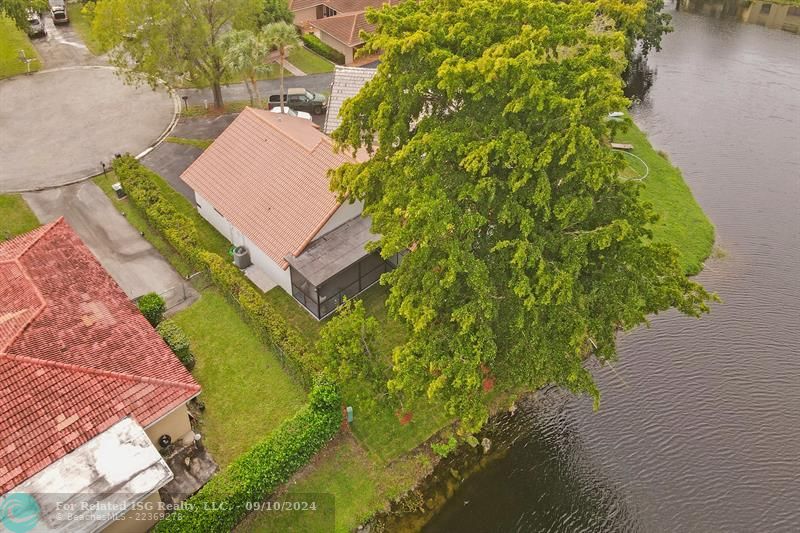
(309,95)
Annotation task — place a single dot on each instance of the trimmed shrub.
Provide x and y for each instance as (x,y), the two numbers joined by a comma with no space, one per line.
(313,43)
(152,307)
(253,476)
(177,340)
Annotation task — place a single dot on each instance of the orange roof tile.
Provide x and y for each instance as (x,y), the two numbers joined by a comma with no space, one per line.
(340,6)
(267,174)
(345,28)
(76,356)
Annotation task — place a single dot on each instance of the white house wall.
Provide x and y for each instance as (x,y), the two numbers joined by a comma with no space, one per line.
(347,51)
(257,256)
(345,212)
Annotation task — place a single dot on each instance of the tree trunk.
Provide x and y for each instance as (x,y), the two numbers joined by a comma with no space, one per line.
(256,94)
(216,88)
(249,91)
(282,51)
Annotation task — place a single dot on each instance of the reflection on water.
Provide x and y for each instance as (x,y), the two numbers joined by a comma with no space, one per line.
(699,429)
(769,14)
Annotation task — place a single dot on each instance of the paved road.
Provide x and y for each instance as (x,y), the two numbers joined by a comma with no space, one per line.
(133,263)
(57,126)
(237,92)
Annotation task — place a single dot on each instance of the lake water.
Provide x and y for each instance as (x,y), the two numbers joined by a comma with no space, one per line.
(699,428)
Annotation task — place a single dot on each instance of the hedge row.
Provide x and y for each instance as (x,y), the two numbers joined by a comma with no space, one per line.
(296,355)
(313,42)
(253,476)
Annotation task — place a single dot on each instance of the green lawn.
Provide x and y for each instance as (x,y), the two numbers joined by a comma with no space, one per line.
(15,216)
(682,221)
(245,390)
(344,471)
(11,41)
(308,61)
(83,25)
(210,238)
(202,144)
(201,111)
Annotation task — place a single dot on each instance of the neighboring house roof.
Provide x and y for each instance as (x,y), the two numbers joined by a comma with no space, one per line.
(98,481)
(76,355)
(340,6)
(267,174)
(345,28)
(347,81)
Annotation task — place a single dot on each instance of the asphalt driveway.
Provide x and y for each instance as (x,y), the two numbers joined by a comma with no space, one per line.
(132,261)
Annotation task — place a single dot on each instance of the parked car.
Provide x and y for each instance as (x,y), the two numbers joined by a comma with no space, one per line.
(58,10)
(291,112)
(35,25)
(300,100)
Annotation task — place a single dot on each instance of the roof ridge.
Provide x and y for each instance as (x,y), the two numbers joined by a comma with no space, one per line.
(257,113)
(353,29)
(99,372)
(42,302)
(43,230)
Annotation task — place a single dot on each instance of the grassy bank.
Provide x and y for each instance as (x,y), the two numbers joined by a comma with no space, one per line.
(12,40)
(682,221)
(202,144)
(245,391)
(15,216)
(359,487)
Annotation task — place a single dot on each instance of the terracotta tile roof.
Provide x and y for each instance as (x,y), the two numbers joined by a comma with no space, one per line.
(297,5)
(345,28)
(267,174)
(341,6)
(76,356)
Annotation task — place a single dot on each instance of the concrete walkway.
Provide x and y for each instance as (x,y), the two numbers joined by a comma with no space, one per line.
(293,69)
(132,261)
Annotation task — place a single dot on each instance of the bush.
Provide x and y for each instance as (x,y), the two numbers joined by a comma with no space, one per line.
(253,476)
(313,43)
(152,307)
(177,340)
(294,352)
(443,449)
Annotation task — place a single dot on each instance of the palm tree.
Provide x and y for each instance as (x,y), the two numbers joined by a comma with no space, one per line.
(282,37)
(245,52)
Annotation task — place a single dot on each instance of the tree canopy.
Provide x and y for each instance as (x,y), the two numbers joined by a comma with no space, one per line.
(246,53)
(17,10)
(176,41)
(488,133)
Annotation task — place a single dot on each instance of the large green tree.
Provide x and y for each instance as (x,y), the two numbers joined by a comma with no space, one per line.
(488,132)
(282,37)
(17,10)
(246,53)
(176,41)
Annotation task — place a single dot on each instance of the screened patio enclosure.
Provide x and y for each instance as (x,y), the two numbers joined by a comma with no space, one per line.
(335,266)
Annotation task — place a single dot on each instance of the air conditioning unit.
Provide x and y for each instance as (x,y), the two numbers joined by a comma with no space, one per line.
(241,257)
